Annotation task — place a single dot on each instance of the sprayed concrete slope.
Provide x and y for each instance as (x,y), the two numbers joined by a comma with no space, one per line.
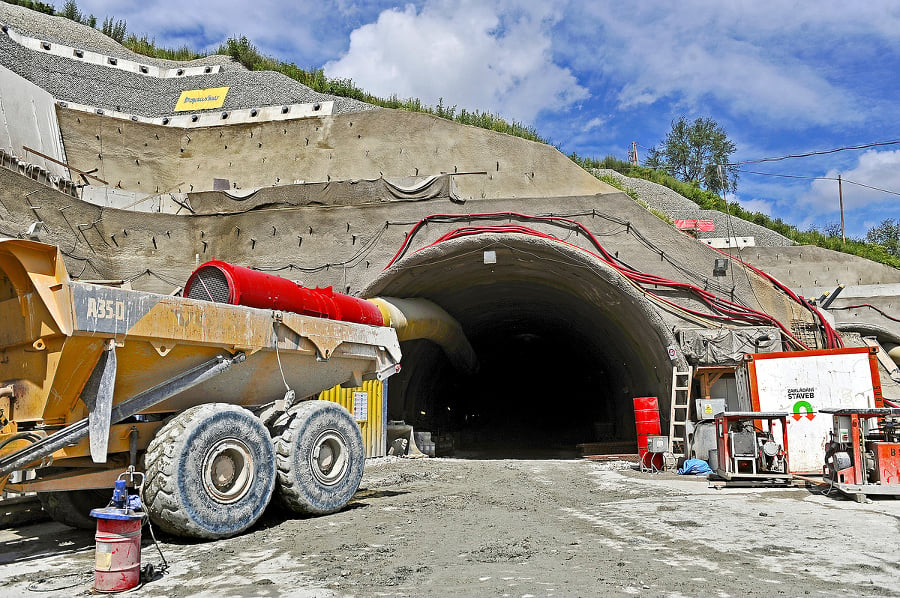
(366,145)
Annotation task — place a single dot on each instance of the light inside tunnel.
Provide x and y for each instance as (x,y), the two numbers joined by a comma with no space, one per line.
(563,343)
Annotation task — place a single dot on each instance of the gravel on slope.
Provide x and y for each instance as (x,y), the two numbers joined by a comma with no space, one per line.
(64,31)
(124,91)
(116,89)
(677,206)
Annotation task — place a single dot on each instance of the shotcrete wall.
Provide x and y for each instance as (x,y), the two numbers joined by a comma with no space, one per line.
(551,316)
(367,145)
(868,304)
(348,245)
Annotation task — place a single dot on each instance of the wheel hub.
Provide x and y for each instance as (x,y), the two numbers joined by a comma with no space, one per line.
(228,470)
(330,458)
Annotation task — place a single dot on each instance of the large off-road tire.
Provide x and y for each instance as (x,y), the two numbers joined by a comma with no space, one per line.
(73,507)
(210,472)
(320,457)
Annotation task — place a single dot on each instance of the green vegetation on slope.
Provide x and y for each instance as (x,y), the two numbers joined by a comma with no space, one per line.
(35,6)
(147,47)
(247,54)
(612,181)
(710,201)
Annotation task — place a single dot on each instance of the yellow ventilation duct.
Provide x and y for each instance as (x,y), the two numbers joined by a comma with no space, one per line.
(419,318)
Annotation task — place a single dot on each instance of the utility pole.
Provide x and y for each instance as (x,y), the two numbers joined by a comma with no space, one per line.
(841,198)
(634,156)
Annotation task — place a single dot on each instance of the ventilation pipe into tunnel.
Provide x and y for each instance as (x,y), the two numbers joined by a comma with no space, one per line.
(419,318)
(413,319)
(893,352)
(222,282)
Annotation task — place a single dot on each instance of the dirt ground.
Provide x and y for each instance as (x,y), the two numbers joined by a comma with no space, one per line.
(518,528)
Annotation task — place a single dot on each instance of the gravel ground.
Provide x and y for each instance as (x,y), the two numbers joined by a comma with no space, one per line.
(517,528)
(677,206)
(116,89)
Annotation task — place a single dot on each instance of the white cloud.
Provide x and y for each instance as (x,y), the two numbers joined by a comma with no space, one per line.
(880,169)
(767,60)
(494,57)
(820,204)
(595,123)
(763,206)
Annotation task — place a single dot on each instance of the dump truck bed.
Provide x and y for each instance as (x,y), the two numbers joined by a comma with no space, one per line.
(158,336)
(63,344)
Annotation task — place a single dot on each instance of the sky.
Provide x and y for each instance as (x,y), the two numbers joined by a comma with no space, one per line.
(781,77)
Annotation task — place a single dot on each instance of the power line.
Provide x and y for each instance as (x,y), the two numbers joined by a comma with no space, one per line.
(817,153)
(871,187)
(788,176)
(820,178)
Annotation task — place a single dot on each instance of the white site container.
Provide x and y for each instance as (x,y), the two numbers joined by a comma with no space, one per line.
(804,382)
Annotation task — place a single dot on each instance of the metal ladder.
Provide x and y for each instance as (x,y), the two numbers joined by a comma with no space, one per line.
(681,404)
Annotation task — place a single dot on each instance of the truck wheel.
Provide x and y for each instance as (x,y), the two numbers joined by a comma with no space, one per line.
(319,454)
(210,472)
(73,507)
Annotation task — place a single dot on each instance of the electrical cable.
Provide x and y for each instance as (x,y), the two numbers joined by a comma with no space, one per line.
(81,578)
(165,564)
(833,339)
(821,178)
(726,310)
(869,305)
(351,262)
(816,153)
(287,388)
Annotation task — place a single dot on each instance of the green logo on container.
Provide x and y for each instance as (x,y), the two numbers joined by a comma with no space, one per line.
(801,406)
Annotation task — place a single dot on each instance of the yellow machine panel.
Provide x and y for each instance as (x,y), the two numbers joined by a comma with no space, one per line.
(368,405)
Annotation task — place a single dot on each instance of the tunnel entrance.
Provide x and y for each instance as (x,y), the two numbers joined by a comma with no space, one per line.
(563,343)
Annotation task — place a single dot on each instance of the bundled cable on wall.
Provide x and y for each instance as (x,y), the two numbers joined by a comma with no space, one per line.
(722,309)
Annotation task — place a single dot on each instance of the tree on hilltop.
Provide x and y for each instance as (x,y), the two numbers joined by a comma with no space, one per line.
(692,152)
(886,234)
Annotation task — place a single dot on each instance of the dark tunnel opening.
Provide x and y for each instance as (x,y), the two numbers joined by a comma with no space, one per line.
(563,347)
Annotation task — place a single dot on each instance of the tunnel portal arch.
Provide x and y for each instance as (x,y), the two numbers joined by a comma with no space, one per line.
(564,343)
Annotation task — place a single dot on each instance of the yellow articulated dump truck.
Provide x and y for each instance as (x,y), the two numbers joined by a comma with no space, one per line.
(196,394)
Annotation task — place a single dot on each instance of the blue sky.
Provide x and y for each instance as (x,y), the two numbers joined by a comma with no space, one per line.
(782,77)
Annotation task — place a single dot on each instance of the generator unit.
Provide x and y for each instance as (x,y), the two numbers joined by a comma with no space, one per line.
(752,445)
(863,456)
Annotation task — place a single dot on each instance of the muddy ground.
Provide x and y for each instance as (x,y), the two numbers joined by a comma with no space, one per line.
(518,528)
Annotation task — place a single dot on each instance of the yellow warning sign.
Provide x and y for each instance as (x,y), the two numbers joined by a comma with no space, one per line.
(201,99)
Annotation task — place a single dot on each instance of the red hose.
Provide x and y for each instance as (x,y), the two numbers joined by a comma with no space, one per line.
(728,310)
(238,285)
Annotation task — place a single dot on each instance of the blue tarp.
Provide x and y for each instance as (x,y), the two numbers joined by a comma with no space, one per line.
(695,467)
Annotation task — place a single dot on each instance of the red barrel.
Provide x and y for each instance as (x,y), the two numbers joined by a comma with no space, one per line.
(117,564)
(222,282)
(646,421)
